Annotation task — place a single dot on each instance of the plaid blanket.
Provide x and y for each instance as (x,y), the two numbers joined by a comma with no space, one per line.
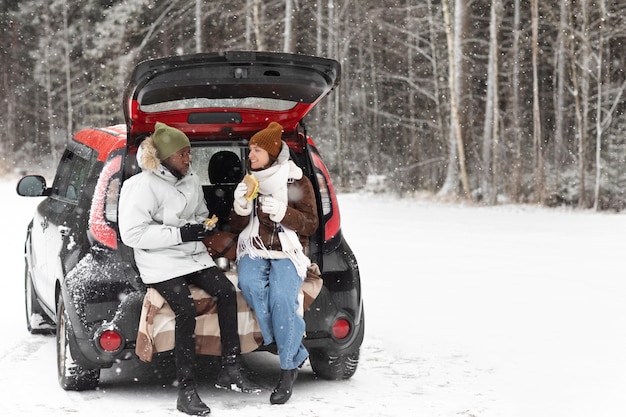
(157,321)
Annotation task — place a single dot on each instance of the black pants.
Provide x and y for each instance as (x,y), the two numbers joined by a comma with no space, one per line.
(176,293)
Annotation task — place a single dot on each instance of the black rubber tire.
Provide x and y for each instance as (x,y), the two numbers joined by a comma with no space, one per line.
(72,377)
(334,367)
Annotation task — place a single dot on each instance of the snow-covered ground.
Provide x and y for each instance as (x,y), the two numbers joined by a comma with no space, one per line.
(470,311)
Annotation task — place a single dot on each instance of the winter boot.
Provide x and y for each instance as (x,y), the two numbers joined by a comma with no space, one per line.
(231,377)
(190,403)
(283,390)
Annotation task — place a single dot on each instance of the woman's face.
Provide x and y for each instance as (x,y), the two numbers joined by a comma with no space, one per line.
(259,158)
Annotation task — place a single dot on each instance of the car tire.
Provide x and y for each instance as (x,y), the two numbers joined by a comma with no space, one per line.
(72,377)
(37,321)
(334,367)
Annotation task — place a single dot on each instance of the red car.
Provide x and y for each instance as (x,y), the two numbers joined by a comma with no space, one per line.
(80,280)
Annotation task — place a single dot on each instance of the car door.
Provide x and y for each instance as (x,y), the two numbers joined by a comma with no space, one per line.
(60,217)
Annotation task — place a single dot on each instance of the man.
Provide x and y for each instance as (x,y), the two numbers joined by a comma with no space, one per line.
(161,216)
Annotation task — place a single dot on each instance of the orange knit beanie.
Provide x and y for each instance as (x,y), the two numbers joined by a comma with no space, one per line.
(269,139)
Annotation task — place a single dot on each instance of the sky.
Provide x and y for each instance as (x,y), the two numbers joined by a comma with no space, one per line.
(471,311)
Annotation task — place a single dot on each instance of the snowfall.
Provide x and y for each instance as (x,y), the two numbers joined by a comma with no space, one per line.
(504,311)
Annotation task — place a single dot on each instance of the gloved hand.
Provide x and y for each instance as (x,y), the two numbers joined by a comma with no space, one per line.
(240,204)
(275,208)
(193,232)
(240,191)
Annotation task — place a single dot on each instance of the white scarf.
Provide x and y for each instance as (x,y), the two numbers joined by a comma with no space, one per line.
(273,182)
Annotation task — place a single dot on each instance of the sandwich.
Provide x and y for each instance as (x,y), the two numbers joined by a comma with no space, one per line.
(253,187)
(211,222)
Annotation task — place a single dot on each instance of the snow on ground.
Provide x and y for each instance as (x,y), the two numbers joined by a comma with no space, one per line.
(470,311)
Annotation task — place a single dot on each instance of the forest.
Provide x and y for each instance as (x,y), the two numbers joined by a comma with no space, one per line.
(489,101)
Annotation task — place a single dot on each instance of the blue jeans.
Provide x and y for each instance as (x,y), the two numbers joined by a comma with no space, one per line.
(271,288)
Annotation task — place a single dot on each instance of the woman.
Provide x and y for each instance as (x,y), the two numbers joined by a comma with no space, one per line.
(272,263)
(161,215)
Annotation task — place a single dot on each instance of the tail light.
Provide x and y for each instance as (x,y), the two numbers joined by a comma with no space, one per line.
(104,203)
(341,328)
(330,208)
(109,340)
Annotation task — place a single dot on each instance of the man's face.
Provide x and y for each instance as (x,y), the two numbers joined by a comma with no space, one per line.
(179,162)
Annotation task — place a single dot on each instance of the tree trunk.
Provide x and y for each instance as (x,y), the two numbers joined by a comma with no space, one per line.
(287,33)
(256,25)
(49,91)
(456,156)
(441,130)
(490,128)
(599,92)
(538,168)
(495,140)
(559,102)
(198,27)
(68,74)
(584,102)
(517,137)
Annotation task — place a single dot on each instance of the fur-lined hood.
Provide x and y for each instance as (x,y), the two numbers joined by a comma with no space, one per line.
(147,158)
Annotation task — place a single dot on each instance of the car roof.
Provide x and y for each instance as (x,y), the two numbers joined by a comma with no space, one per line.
(227,94)
(103,140)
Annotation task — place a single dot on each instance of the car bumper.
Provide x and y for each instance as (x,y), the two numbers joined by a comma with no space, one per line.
(98,300)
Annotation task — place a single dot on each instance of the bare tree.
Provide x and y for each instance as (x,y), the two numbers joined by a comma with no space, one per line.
(582,92)
(198,21)
(560,149)
(599,94)
(538,167)
(491,122)
(256,25)
(287,33)
(516,128)
(456,78)
(67,47)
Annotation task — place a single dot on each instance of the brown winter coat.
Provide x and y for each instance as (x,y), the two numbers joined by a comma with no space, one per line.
(301,216)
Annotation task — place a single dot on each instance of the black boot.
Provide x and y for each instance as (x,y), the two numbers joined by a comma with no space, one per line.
(190,403)
(230,376)
(283,390)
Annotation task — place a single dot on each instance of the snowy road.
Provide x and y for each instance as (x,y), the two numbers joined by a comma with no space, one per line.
(491,312)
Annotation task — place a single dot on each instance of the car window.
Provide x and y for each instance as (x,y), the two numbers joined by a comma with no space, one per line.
(201,157)
(71,175)
(256,103)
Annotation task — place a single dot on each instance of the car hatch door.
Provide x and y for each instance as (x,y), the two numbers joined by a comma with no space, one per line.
(232,93)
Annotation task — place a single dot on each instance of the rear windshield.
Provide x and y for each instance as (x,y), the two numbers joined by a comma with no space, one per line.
(256,103)
(227,168)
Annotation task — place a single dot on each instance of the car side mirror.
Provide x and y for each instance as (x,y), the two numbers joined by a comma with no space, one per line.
(32,186)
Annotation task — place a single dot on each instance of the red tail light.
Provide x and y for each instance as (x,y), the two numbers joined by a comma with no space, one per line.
(104,204)
(341,329)
(110,340)
(330,208)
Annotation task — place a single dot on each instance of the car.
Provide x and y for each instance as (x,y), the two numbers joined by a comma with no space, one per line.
(81,282)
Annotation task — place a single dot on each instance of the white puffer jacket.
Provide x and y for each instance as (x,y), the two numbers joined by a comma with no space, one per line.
(153,205)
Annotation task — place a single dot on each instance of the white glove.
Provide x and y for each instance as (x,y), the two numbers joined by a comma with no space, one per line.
(240,204)
(240,191)
(276,209)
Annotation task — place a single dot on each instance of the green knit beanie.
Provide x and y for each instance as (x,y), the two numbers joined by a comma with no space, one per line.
(168,140)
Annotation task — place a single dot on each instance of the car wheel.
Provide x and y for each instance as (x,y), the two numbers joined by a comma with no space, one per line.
(334,367)
(37,322)
(72,377)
